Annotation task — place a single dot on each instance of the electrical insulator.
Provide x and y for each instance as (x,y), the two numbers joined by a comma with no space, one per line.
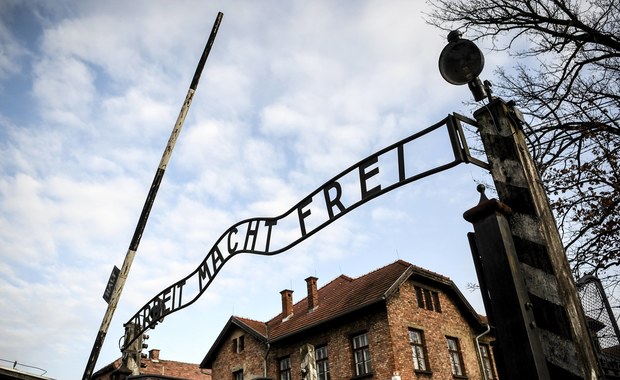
(141,357)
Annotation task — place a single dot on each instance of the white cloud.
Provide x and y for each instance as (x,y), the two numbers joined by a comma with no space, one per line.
(65,89)
(12,51)
(292,95)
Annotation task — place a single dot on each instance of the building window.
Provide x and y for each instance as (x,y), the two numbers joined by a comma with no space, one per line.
(238,375)
(238,344)
(456,358)
(285,368)
(418,347)
(322,366)
(420,296)
(427,299)
(361,354)
(436,303)
(487,362)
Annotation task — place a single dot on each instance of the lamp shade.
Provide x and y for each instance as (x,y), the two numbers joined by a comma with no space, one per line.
(460,62)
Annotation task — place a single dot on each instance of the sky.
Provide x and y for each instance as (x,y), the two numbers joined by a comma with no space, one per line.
(292,94)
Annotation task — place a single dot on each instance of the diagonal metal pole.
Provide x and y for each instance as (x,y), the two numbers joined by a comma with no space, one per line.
(135,241)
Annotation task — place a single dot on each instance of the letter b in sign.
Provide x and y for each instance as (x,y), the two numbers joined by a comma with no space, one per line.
(157,310)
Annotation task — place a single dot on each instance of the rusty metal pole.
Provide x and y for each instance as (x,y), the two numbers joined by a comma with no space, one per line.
(559,319)
(135,241)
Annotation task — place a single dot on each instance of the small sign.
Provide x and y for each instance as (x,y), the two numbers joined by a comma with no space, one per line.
(107,294)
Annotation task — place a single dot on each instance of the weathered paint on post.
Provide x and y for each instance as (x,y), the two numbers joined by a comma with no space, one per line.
(550,286)
(146,209)
(508,304)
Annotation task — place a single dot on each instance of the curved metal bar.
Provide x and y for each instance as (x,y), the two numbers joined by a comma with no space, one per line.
(255,235)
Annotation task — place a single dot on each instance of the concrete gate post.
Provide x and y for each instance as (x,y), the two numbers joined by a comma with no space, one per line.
(541,263)
(506,299)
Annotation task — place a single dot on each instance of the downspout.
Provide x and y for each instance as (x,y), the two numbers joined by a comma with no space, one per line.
(484,374)
(265,360)
(267,352)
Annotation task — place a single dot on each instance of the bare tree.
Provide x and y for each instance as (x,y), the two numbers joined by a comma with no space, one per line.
(566,77)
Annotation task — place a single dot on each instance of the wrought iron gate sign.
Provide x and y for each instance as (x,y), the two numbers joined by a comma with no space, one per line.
(375,175)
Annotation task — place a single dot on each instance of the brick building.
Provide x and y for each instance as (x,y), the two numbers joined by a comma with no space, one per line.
(160,369)
(399,321)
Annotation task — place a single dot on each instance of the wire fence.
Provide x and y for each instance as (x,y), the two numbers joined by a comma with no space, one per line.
(16,365)
(599,317)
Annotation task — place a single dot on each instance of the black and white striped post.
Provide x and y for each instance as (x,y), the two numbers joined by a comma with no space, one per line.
(135,241)
(529,291)
(524,275)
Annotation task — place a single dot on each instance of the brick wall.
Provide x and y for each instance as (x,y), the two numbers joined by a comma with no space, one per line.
(250,360)
(387,327)
(337,337)
(404,313)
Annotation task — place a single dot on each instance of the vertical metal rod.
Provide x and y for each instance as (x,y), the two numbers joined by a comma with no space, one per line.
(135,241)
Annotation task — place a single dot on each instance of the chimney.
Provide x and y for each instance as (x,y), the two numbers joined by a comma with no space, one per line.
(287,302)
(154,355)
(313,293)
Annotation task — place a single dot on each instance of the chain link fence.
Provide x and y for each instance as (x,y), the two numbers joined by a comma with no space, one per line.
(601,323)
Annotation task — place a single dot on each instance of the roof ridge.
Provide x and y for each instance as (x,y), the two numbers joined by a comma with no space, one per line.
(173,361)
(351,279)
(399,261)
(430,272)
(247,319)
(405,265)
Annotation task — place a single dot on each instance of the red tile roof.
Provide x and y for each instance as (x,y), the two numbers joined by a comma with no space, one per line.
(168,368)
(342,296)
(260,328)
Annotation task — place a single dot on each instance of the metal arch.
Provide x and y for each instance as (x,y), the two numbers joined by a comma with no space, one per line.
(171,300)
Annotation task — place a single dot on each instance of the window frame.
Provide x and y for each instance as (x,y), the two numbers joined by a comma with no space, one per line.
(360,348)
(420,296)
(238,344)
(236,374)
(436,302)
(241,343)
(286,372)
(322,363)
(414,353)
(456,358)
(427,299)
(487,361)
